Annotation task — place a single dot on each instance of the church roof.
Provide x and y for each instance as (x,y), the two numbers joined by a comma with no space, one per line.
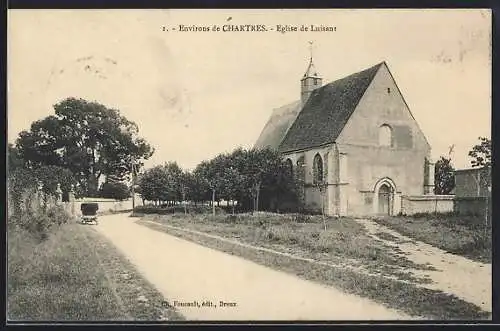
(311,70)
(326,111)
(278,124)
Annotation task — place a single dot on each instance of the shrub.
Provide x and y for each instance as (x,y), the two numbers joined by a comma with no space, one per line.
(114,190)
(177,209)
(39,223)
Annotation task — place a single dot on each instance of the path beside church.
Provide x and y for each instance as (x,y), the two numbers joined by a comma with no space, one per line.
(467,279)
(186,272)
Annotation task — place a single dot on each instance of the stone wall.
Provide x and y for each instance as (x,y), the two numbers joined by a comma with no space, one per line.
(480,206)
(105,205)
(411,205)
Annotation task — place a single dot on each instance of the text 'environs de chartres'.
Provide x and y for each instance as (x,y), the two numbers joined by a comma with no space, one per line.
(257,28)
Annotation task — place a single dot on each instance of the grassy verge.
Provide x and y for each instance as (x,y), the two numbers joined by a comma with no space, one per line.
(413,300)
(461,235)
(344,241)
(76,275)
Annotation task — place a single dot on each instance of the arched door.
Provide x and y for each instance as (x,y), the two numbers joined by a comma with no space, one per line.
(384,199)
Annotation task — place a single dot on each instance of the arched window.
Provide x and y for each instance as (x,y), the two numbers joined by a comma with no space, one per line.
(385,135)
(300,170)
(317,169)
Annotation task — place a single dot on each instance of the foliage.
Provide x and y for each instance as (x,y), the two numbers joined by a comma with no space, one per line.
(481,153)
(444,176)
(249,177)
(39,222)
(114,190)
(25,183)
(161,183)
(86,138)
(14,159)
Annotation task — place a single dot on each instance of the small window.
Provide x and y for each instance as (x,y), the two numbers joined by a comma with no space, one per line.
(388,90)
(385,135)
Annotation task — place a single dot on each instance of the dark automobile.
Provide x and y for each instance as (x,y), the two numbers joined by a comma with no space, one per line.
(89,212)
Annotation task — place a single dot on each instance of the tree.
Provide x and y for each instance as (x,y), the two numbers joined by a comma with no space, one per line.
(232,182)
(444,176)
(198,187)
(210,173)
(260,168)
(87,138)
(187,184)
(15,160)
(481,153)
(114,190)
(151,184)
(173,182)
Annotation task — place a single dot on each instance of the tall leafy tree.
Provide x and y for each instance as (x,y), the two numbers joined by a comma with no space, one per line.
(481,153)
(152,184)
(444,176)
(173,179)
(87,138)
(260,166)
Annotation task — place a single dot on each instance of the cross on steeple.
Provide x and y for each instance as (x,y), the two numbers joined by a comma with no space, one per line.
(310,50)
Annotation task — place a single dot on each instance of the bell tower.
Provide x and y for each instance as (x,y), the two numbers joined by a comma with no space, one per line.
(311,79)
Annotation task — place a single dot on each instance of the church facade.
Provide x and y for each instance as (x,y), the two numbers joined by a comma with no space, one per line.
(352,144)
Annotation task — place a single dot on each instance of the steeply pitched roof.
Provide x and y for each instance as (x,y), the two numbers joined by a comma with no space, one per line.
(327,110)
(280,121)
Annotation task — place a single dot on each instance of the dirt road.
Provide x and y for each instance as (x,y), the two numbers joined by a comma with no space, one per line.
(198,280)
(467,279)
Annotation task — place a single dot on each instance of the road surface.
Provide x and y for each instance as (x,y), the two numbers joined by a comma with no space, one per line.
(205,284)
(453,274)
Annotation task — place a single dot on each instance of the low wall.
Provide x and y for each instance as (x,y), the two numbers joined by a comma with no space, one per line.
(105,205)
(411,205)
(480,206)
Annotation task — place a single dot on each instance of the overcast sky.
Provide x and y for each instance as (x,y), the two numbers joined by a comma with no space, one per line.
(196,94)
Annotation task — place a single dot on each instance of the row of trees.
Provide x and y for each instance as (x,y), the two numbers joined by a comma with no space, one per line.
(256,179)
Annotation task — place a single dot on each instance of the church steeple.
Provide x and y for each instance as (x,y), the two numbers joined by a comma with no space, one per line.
(311,79)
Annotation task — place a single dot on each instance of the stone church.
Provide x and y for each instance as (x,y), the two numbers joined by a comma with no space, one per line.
(353,144)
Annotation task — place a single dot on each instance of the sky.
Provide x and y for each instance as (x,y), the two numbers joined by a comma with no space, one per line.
(197,94)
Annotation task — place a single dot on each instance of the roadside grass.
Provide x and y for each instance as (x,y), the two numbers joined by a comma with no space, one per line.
(409,298)
(461,235)
(344,241)
(76,275)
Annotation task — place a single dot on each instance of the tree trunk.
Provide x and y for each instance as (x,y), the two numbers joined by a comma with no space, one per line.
(184,202)
(257,198)
(213,202)
(93,183)
(232,202)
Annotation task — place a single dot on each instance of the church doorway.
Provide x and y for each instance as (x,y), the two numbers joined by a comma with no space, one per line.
(384,199)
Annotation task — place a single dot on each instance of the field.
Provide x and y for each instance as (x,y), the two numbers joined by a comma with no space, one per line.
(344,256)
(462,235)
(75,275)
